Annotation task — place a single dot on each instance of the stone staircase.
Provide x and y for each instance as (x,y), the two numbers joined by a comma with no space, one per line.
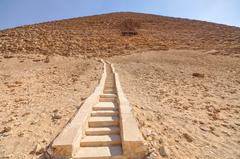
(102,137)
(103,128)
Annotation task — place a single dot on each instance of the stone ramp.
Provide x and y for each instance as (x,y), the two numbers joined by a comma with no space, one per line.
(101,131)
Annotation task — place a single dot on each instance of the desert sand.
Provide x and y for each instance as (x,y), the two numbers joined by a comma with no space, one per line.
(180,115)
(37,99)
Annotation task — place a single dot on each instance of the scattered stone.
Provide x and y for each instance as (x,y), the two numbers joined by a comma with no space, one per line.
(201,122)
(212,128)
(33,122)
(18,82)
(20,134)
(36,60)
(83,98)
(164,151)
(37,150)
(47,60)
(188,137)
(56,116)
(160,141)
(25,114)
(204,128)
(146,132)
(236,123)
(213,52)
(77,106)
(19,100)
(199,75)
(233,91)
(5,130)
(238,81)
(55,110)
(7,56)
(17,124)
(7,156)
(44,141)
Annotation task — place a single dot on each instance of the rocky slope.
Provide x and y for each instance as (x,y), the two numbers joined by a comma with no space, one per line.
(101,36)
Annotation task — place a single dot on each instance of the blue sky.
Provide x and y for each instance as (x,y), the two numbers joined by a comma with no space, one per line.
(22,12)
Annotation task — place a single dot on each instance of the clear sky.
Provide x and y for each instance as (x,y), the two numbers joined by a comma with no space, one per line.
(22,12)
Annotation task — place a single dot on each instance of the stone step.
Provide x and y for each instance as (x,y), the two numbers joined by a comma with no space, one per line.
(109,86)
(109,91)
(108,95)
(102,140)
(110,80)
(103,130)
(104,113)
(103,152)
(105,106)
(107,99)
(110,83)
(103,121)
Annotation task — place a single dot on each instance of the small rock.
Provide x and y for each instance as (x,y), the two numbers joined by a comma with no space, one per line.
(201,122)
(83,98)
(47,60)
(204,128)
(55,110)
(37,150)
(33,122)
(213,52)
(212,128)
(7,56)
(146,132)
(188,137)
(7,156)
(25,114)
(36,60)
(164,152)
(199,75)
(5,130)
(18,82)
(20,134)
(56,116)
(77,106)
(19,100)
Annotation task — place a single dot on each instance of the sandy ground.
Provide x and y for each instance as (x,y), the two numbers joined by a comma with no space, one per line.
(38,96)
(180,115)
